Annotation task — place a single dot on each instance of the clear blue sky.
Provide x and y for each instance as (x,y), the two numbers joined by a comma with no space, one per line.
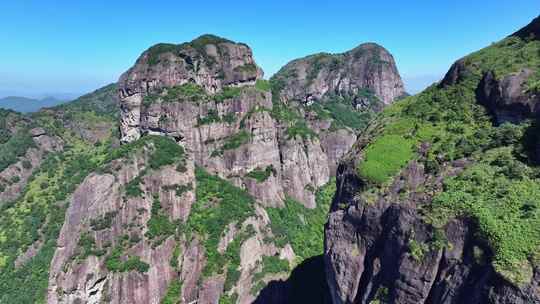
(77,46)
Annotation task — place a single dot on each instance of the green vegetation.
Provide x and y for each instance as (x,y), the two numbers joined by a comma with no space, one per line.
(188,91)
(166,152)
(133,188)
(26,164)
(228,299)
(417,249)
(261,175)
(191,92)
(174,293)
(218,204)
(272,264)
(102,102)
(296,125)
(300,226)
(38,214)
(174,258)
(114,262)
(87,247)
(15,147)
(104,222)
(507,56)
(159,225)
(179,189)
(341,110)
(202,41)
(385,157)
(233,142)
(213,117)
(502,196)
(154,53)
(319,61)
(262,85)
(500,190)
(227,93)
(382,296)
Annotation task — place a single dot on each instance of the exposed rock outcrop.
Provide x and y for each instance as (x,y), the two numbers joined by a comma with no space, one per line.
(385,241)
(365,70)
(508,99)
(229,108)
(103,217)
(368,251)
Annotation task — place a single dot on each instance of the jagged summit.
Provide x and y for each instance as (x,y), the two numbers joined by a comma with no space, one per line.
(368,69)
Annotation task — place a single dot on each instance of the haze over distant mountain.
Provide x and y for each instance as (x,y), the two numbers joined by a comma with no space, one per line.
(24,104)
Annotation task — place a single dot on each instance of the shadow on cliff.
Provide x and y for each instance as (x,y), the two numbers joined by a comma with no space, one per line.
(307,284)
(531,143)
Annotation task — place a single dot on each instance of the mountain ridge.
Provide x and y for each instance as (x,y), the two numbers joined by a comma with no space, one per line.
(194,179)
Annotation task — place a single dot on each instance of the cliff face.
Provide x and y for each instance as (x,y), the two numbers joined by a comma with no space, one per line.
(365,71)
(209,62)
(440,216)
(240,203)
(208,94)
(221,184)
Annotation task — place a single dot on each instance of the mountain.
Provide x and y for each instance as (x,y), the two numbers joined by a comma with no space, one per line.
(25,105)
(193,179)
(366,70)
(221,183)
(438,200)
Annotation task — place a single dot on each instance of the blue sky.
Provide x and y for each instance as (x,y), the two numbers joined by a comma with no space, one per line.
(77,46)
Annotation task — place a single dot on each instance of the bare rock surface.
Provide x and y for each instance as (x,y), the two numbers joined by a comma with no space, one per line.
(368,67)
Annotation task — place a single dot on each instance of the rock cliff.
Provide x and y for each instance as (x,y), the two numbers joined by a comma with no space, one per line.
(220,187)
(362,73)
(203,94)
(441,216)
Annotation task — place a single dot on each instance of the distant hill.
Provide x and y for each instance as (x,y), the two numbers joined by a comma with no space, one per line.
(24,104)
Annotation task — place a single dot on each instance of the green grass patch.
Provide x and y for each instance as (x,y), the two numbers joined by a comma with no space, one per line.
(386,156)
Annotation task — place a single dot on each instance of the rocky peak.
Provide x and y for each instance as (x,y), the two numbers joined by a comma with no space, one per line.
(209,61)
(207,64)
(365,71)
